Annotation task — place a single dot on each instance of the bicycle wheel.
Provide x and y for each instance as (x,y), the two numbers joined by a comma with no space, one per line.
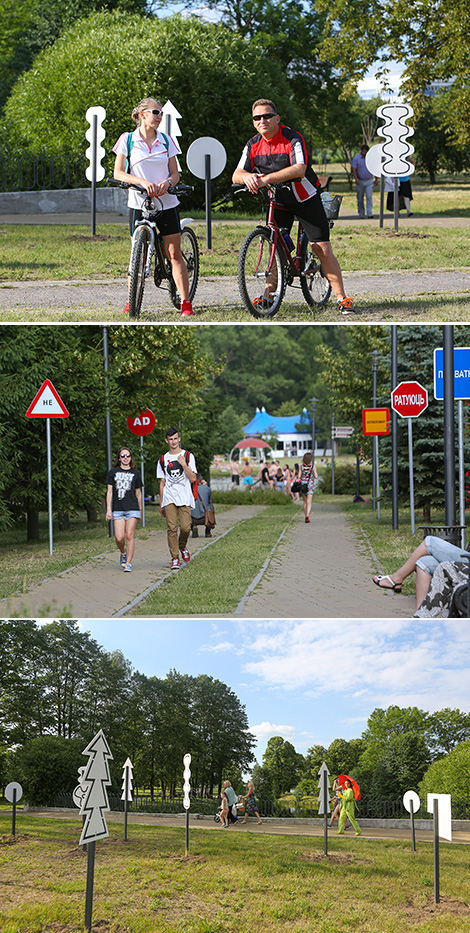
(190,251)
(315,286)
(261,276)
(137,271)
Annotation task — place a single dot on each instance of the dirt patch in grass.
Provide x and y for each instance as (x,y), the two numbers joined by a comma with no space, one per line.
(13,840)
(430,910)
(336,859)
(100,926)
(183,860)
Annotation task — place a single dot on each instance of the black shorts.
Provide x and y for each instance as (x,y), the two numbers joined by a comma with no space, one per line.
(168,222)
(311,214)
(235,479)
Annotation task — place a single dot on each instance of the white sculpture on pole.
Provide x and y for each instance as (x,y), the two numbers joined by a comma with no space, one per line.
(391,158)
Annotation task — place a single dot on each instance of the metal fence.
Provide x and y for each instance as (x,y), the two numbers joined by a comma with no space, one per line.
(25,172)
(368,809)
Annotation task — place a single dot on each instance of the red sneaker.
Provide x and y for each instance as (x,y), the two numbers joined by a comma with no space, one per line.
(126,309)
(186,308)
(185,554)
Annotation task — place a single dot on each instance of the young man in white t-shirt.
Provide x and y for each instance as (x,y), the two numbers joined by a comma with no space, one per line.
(176,498)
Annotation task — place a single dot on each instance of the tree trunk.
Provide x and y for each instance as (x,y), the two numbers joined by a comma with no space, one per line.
(92,511)
(427,512)
(64,521)
(32,524)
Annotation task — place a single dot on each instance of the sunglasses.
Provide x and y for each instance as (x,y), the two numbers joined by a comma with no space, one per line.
(264,116)
(156,113)
(124,456)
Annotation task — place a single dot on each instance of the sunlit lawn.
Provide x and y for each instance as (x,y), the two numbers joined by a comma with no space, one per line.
(229,883)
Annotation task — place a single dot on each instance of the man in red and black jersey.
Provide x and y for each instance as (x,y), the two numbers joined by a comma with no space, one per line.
(278,154)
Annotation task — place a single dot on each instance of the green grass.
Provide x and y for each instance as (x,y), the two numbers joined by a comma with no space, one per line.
(23,564)
(59,253)
(217,580)
(229,883)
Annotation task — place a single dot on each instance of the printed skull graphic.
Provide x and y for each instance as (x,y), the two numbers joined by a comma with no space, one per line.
(175,471)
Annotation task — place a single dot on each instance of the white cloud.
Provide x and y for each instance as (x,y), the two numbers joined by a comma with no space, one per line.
(265,730)
(380,662)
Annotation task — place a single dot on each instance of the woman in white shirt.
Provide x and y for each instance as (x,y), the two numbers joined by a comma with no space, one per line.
(147,157)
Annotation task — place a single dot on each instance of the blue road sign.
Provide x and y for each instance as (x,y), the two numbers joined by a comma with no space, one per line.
(461,373)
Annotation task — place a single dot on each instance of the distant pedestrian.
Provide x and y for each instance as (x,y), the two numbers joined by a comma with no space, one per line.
(308,475)
(295,486)
(203,512)
(224,810)
(347,809)
(176,471)
(280,479)
(248,475)
(335,803)
(263,475)
(364,182)
(251,805)
(124,503)
(234,468)
(230,795)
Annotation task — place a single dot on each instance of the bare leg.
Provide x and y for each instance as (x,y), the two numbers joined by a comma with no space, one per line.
(130,543)
(330,266)
(178,265)
(409,566)
(119,533)
(423,580)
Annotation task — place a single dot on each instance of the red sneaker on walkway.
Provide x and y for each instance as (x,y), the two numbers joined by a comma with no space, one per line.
(185,554)
(186,308)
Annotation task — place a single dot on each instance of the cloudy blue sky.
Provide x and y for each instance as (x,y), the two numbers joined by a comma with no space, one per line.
(309,681)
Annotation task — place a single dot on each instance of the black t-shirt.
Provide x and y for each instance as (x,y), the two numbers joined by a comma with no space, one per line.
(265,475)
(124,483)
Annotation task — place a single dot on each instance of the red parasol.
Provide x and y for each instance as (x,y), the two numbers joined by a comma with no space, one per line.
(355,786)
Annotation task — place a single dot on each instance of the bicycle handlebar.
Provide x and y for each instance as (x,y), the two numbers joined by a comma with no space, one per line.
(173,189)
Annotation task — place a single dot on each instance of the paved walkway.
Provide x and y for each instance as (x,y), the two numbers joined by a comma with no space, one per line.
(323,570)
(270,827)
(320,570)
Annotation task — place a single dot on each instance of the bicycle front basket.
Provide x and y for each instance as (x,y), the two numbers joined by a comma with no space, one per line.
(331,203)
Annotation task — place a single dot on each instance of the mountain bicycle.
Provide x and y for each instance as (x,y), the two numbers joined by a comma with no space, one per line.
(147,240)
(266,265)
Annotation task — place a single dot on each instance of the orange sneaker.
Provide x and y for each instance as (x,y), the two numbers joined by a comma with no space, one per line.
(186,308)
(346,306)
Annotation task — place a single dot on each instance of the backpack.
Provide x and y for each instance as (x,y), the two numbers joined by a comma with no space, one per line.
(130,143)
(194,486)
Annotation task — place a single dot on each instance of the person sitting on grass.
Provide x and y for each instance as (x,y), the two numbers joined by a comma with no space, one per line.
(423,561)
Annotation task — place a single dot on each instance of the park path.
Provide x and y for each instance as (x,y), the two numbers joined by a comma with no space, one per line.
(371,829)
(320,570)
(23,299)
(323,570)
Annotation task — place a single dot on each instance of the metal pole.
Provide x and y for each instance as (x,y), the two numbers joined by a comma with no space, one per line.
(375,354)
(461,476)
(332,455)
(410,467)
(13,819)
(382,189)
(90,872)
(93,173)
(143,479)
(109,452)
(325,798)
(208,201)
(187,832)
(449,439)
(395,204)
(49,482)
(413,834)
(436,850)
(394,352)
(314,408)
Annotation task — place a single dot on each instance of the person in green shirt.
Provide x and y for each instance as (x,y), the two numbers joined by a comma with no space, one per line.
(347,809)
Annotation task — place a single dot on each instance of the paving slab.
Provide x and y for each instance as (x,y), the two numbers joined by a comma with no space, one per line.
(320,570)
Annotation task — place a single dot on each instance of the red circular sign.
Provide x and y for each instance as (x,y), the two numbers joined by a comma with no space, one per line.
(409,399)
(141,424)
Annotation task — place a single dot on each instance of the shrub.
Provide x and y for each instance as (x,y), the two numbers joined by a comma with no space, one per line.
(345,480)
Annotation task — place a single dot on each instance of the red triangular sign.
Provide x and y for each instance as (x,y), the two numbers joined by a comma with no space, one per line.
(47,403)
